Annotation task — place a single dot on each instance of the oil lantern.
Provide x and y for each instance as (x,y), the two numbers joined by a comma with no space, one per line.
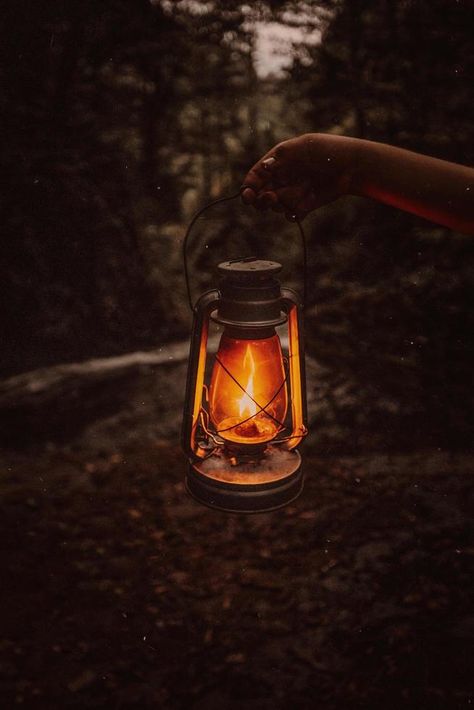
(245,406)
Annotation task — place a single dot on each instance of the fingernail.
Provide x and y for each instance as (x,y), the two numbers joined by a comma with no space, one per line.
(248,196)
(268,163)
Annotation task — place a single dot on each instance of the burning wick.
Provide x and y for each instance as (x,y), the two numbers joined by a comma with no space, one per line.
(256,430)
(252,425)
(247,406)
(249,429)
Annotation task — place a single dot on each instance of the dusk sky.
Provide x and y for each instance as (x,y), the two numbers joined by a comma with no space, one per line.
(273,51)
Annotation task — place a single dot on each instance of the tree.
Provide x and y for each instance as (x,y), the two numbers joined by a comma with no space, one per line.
(113,111)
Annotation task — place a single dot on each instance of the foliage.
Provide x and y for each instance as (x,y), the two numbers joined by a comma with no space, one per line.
(113,115)
(395,72)
(122,118)
(392,289)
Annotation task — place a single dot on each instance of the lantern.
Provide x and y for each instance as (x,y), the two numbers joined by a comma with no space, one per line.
(245,407)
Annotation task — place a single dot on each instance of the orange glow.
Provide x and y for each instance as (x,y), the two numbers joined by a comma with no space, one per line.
(299,428)
(198,389)
(247,405)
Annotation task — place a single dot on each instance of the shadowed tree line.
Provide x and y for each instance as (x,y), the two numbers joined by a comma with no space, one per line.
(121,118)
(114,112)
(118,590)
(392,289)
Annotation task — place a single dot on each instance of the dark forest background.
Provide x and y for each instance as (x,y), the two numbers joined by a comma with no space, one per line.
(121,118)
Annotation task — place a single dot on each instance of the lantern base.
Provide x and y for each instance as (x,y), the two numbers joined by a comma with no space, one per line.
(246,487)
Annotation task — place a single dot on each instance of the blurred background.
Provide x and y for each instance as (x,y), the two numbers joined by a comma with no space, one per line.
(120,119)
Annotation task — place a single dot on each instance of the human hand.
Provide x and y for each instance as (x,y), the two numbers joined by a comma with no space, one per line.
(301,174)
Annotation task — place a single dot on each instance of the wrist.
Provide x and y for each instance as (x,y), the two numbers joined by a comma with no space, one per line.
(356,152)
(365,158)
(343,157)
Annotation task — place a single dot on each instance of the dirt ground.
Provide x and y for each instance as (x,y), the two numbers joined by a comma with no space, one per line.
(118,591)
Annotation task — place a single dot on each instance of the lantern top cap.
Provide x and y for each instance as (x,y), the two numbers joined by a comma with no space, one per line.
(249,266)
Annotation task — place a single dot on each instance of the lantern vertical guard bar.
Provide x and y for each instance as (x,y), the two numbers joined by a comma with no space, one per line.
(238,431)
(196,373)
(294,309)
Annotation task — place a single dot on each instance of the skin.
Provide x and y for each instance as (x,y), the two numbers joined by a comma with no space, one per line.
(314,169)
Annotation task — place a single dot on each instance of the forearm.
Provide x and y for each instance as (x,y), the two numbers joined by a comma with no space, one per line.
(440,191)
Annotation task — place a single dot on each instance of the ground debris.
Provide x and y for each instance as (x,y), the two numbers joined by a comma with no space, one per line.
(353,594)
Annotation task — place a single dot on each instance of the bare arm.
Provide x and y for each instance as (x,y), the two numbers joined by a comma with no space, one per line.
(440,191)
(314,169)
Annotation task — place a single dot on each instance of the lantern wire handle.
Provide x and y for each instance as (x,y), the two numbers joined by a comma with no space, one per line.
(186,238)
(228,199)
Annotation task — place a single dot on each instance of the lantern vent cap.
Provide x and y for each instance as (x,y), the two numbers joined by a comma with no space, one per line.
(249,268)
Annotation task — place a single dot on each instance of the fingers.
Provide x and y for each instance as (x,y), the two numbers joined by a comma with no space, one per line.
(306,205)
(297,202)
(290,196)
(248,194)
(261,200)
(270,200)
(285,179)
(294,200)
(270,184)
(258,178)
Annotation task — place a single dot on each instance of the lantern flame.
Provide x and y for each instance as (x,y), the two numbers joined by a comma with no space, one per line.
(247,406)
(247,395)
